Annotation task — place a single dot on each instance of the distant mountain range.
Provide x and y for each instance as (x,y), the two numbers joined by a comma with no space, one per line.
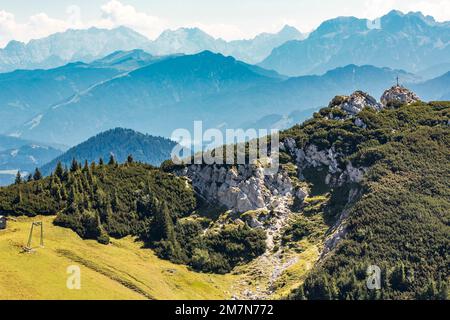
(411,42)
(24,156)
(194,40)
(70,46)
(158,86)
(172,93)
(91,44)
(119,143)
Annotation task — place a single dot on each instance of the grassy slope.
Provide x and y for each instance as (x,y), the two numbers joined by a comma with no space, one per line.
(121,270)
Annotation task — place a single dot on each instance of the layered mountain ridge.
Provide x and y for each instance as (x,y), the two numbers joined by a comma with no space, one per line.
(94,43)
(412,42)
(220,91)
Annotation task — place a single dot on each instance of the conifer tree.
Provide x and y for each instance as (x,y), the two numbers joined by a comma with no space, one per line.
(431,291)
(112,161)
(90,177)
(55,188)
(169,231)
(63,193)
(86,166)
(443,290)
(398,278)
(66,175)
(73,200)
(300,294)
(115,202)
(130,159)
(165,227)
(37,175)
(18,178)
(19,197)
(39,188)
(74,166)
(59,171)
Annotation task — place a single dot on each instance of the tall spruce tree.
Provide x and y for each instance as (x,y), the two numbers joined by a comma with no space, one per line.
(130,159)
(112,161)
(74,166)
(59,171)
(37,175)
(18,178)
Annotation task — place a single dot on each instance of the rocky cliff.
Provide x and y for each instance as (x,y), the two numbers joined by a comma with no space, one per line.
(398,95)
(319,153)
(246,188)
(242,188)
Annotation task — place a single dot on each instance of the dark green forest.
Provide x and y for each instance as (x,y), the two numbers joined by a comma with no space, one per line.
(99,201)
(120,143)
(401,220)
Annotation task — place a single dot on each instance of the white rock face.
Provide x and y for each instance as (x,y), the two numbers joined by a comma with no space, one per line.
(355,103)
(241,189)
(311,156)
(398,95)
(316,158)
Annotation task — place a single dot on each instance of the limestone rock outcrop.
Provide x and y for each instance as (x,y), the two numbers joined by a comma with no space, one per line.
(398,95)
(242,188)
(355,103)
(312,156)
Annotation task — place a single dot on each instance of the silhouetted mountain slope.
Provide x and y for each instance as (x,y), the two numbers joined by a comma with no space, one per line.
(120,143)
(434,89)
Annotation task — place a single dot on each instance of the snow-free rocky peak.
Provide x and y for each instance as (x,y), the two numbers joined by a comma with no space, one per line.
(398,95)
(358,100)
(355,103)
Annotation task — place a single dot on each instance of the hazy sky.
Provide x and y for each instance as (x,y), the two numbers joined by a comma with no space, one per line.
(230,19)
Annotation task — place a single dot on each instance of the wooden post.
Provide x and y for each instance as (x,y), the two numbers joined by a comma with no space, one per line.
(28,248)
(42,235)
